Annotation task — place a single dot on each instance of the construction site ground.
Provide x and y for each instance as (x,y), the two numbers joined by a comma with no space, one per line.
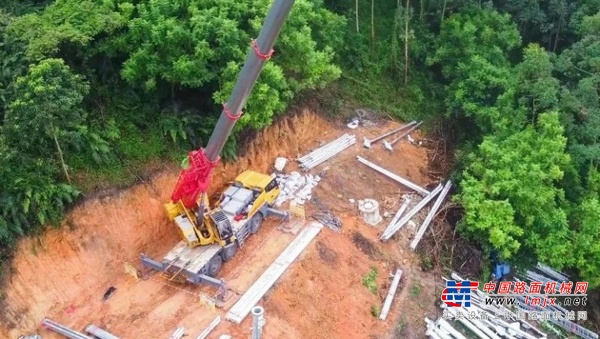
(65,273)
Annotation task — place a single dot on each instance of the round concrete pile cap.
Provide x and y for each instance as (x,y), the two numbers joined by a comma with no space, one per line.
(368,205)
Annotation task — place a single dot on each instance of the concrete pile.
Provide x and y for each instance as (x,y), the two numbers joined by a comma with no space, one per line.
(178,334)
(63,330)
(210,328)
(549,271)
(493,320)
(545,275)
(296,187)
(480,320)
(99,333)
(238,312)
(326,152)
(393,228)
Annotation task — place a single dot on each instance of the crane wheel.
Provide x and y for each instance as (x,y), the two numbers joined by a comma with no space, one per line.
(229,251)
(214,266)
(256,222)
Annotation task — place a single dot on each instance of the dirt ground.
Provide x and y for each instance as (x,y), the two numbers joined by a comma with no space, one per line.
(64,274)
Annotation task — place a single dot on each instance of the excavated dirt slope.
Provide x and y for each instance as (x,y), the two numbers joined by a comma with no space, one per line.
(64,274)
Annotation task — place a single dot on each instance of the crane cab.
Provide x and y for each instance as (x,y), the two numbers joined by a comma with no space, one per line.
(248,193)
(246,196)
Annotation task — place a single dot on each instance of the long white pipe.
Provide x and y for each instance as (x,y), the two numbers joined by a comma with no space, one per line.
(390,296)
(210,328)
(324,147)
(321,160)
(446,326)
(331,152)
(327,147)
(430,215)
(406,133)
(435,332)
(398,215)
(411,213)
(99,333)
(178,334)
(258,315)
(61,329)
(393,176)
(483,325)
(551,272)
(368,142)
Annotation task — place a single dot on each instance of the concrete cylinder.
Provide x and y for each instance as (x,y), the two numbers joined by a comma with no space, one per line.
(369,210)
(258,313)
(99,333)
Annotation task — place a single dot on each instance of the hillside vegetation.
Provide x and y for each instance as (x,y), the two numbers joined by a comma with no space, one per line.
(93,90)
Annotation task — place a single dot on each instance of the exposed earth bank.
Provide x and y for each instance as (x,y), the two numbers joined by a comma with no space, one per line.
(64,274)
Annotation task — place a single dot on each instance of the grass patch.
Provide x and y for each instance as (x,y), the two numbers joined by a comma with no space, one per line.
(415,290)
(401,327)
(375,311)
(426,264)
(370,280)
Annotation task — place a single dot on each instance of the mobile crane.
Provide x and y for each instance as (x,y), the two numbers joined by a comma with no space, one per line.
(213,236)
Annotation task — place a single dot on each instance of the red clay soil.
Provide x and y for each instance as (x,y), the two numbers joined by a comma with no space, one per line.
(64,274)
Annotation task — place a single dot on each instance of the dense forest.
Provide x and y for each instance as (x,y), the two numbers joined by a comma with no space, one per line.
(92,90)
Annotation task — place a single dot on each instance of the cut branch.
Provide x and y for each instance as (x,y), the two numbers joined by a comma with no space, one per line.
(357,30)
(60,154)
(406,42)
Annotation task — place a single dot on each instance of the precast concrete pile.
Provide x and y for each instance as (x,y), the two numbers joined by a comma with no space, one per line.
(326,152)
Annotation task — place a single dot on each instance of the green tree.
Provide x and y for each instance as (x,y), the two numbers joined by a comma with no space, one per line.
(472,52)
(12,63)
(545,22)
(510,197)
(45,115)
(202,45)
(66,26)
(21,7)
(587,240)
(579,70)
(581,59)
(31,196)
(168,42)
(535,87)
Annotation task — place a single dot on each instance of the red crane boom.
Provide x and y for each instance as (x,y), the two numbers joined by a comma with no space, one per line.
(195,180)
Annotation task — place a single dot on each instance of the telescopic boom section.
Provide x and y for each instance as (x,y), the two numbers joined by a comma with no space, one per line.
(196,178)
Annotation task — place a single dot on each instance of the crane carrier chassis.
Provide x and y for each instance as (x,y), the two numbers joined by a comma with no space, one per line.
(199,265)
